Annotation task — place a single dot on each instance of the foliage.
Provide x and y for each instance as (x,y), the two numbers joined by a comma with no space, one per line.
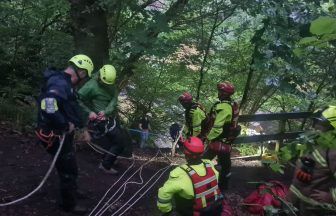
(268,49)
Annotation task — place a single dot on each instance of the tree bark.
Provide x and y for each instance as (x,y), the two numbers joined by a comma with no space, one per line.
(90,30)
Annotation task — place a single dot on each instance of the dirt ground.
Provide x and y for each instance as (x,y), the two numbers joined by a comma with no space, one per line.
(23,164)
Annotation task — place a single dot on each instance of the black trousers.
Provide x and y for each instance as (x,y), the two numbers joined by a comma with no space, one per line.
(67,170)
(116,141)
(224,162)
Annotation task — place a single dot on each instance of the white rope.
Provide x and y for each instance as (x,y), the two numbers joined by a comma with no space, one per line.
(106,203)
(150,186)
(44,178)
(124,189)
(100,150)
(94,148)
(112,187)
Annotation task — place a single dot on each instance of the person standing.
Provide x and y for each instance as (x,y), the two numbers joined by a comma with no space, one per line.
(144,126)
(99,99)
(58,113)
(194,114)
(222,124)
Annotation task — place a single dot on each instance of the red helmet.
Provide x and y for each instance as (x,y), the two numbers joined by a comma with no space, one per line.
(193,147)
(186,97)
(226,87)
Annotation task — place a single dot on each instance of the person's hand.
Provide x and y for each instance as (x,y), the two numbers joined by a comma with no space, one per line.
(322,196)
(101,116)
(92,116)
(71,127)
(86,136)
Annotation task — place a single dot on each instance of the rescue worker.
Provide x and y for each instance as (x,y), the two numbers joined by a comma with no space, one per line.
(220,130)
(58,113)
(313,189)
(193,186)
(98,99)
(194,114)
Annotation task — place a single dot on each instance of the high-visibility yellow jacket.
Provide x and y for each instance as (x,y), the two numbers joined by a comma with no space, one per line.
(223,115)
(180,185)
(194,117)
(323,175)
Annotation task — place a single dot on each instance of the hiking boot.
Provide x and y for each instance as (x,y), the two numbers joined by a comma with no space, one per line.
(77,210)
(111,171)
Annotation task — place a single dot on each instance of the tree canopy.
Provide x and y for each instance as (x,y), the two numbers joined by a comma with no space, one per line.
(280,55)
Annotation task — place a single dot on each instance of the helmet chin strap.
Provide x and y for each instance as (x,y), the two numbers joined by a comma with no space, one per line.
(77,74)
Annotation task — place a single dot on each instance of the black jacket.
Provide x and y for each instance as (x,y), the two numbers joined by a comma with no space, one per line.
(57,103)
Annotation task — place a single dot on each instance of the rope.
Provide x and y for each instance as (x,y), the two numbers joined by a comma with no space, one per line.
(44,178)
(101,150)
(123,185)
(164,170)
(112,187)
(154,134)
(120,186)
(124,189)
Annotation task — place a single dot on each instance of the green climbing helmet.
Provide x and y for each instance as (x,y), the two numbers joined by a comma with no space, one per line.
(83,62)
(326,115)
(108,74)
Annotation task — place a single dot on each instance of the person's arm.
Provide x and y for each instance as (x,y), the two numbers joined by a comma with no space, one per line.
(198,116)
(224,115)
(111,107)
(330,196)
(167,191)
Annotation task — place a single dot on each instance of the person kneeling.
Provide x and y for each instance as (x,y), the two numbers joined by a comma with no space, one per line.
(193,186)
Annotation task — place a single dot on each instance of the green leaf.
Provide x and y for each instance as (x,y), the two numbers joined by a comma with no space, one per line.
(308,40)
(298,52)
(276,167)
(328,37)
(323,25)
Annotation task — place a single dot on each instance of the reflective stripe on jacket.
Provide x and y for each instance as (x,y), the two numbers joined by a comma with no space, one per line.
(179,183)
(323,173)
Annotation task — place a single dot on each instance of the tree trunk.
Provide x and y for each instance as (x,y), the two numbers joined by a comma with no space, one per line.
(90,31)
(257,41)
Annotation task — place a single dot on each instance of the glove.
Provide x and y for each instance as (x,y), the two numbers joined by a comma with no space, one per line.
(101,116)
(92,116)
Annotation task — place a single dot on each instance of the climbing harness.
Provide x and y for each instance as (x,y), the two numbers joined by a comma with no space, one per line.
(47,137)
